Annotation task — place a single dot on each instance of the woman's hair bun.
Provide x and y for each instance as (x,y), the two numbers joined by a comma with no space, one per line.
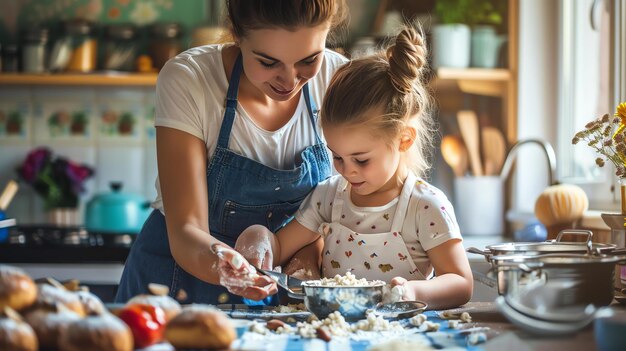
(407,58)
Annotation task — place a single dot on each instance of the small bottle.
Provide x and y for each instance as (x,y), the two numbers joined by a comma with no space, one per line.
(165,42)
(120,49)
(34,50)
(84,45)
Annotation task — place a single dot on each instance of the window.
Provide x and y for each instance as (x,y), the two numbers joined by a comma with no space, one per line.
(591,83)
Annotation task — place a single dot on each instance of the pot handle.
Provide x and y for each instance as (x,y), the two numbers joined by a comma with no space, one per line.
(486,253)
(587,233)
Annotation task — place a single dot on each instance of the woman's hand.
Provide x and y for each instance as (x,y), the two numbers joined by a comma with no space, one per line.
(239,277)
(256,244)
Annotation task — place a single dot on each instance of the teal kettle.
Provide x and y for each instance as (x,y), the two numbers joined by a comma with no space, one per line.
(116,212)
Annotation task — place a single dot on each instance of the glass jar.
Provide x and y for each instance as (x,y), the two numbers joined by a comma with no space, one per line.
(84,45)
(10,58)
(120,48)
(34,50)
(165,42)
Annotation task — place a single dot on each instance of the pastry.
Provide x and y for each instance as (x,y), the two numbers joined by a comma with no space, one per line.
(49,321)
(96,333)
(51,295)
(15,334)
(17,289)
(200,327)
(91,303)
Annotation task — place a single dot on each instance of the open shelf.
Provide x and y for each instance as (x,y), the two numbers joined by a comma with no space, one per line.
(480,81)
(482,74)
(63,79)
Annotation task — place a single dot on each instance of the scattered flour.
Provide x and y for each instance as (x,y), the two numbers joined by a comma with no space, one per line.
(290,308)
(335,325)
(418,320)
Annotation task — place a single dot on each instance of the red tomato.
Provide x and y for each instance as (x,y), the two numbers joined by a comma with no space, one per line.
(146,322)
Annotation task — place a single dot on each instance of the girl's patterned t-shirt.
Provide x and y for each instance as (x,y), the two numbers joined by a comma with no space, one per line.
(430,218)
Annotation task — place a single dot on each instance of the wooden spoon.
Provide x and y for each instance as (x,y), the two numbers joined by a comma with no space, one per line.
(468,124)
(455,154)
(494,149)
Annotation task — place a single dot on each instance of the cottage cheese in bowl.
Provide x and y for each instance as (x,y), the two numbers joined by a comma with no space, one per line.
(348,295)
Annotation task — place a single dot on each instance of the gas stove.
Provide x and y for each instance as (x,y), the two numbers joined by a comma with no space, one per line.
(53,244)
(48,235)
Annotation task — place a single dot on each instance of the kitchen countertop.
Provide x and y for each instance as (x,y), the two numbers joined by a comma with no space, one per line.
(501,335)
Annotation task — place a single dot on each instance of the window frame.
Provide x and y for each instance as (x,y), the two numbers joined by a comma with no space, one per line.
(599,189)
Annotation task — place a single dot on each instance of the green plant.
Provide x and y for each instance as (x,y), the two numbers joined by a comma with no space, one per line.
(470,12)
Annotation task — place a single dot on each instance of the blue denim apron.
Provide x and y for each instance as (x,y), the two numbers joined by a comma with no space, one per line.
(241,192)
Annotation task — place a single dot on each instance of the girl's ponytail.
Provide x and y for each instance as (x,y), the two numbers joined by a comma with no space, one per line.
(407,59)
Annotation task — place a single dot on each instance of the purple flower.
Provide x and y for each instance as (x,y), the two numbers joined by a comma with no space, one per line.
(33,164)
(77,175)
(58,181)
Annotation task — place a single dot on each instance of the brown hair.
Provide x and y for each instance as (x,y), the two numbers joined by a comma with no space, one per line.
(246,15)
(393,84)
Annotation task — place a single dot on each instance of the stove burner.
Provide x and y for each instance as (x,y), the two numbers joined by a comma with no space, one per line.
(46,235)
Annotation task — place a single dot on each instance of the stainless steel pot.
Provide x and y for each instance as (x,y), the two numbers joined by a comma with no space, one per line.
(547,247)
(550,285)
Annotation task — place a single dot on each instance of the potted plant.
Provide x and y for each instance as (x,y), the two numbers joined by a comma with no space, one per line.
(14,123)
(79,123)
(453,37)
(125,126)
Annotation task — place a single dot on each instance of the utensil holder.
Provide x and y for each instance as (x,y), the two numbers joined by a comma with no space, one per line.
(479,205)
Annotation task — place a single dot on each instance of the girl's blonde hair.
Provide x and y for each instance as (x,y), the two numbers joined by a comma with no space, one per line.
(391,83)
(246,15)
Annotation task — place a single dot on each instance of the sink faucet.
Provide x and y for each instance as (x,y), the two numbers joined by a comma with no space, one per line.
(545,147)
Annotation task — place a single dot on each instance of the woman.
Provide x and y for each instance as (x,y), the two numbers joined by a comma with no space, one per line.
(237,144)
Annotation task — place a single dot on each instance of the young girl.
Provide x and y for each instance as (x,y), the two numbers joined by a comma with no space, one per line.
(378,218)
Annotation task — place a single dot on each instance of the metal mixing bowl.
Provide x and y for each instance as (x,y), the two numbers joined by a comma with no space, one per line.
(351,301)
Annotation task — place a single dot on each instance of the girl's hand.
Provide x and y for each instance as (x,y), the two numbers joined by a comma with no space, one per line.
(300,270)
(239,277)
(255,244)
(408,293)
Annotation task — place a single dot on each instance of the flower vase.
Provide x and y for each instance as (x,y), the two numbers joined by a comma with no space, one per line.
(617,223)
(622,194)
(63,216)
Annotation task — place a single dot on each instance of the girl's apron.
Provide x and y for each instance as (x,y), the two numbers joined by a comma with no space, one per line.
(380,256)
(241,192)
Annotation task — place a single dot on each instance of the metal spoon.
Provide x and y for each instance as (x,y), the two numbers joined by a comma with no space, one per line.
(287,282)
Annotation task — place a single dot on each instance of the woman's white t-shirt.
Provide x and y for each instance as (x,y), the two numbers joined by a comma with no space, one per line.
(190,94)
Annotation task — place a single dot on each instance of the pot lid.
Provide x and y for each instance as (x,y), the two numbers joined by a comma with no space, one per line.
(558,259)
(550,247)
(555,246)
(117,197)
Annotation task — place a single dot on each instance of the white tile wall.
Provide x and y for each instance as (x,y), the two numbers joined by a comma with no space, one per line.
(116,154)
